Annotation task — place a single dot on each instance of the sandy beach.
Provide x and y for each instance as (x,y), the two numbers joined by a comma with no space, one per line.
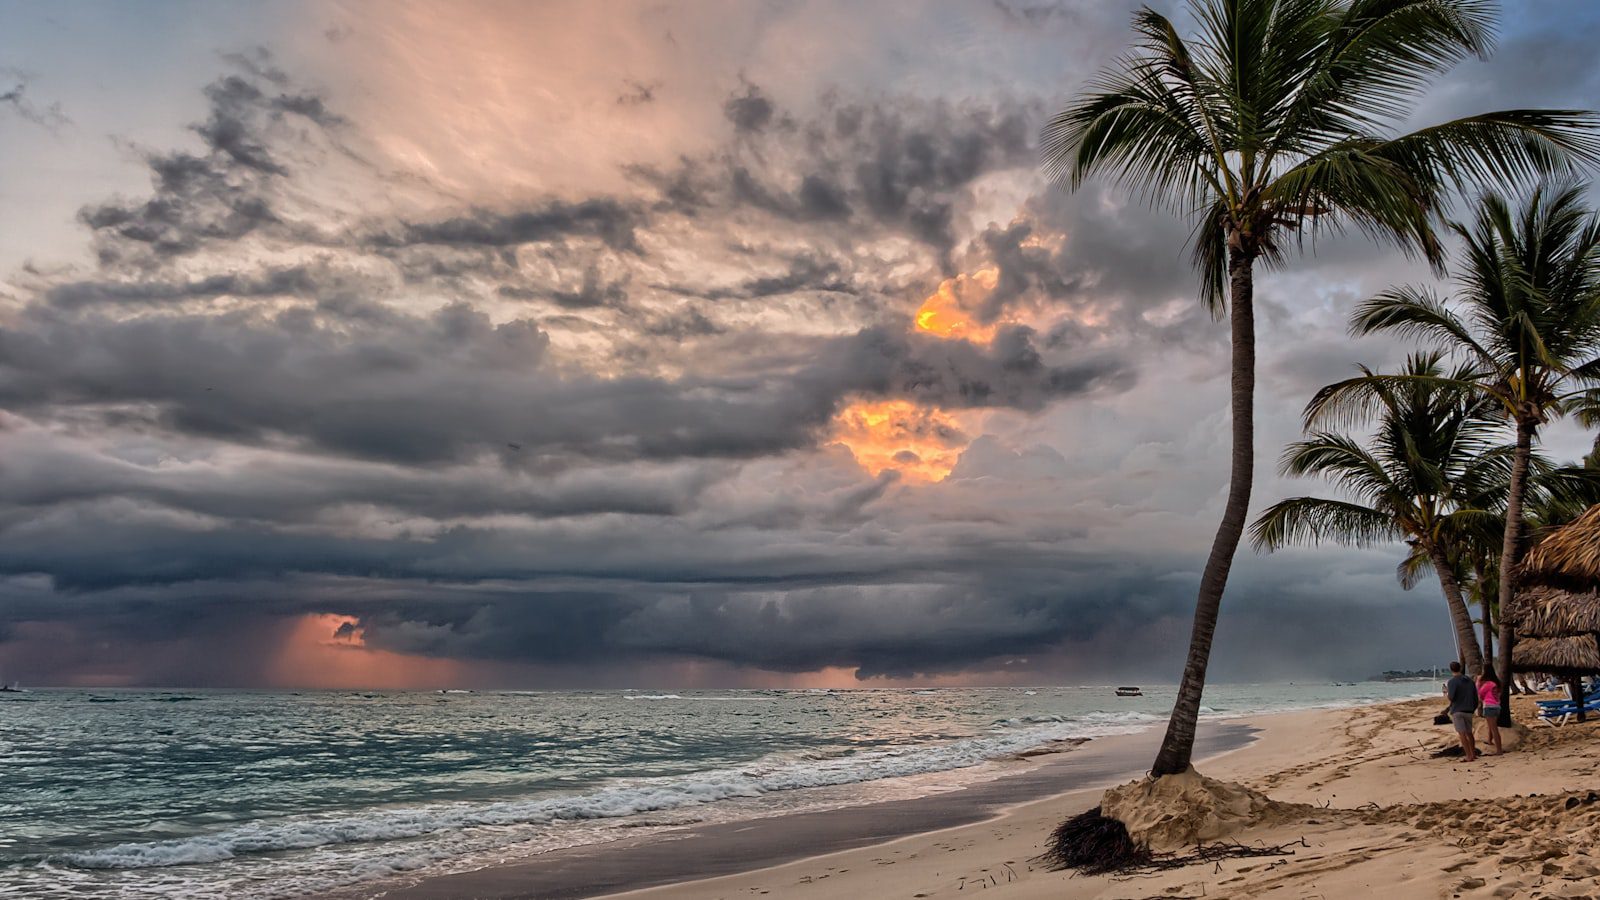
(1358,786)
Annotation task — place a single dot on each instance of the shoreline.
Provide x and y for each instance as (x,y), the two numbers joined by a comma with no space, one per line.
(736,849)
(1365,807)
(1362,804)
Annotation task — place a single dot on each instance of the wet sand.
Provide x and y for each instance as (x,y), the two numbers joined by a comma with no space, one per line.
(1367,808)
(733,847)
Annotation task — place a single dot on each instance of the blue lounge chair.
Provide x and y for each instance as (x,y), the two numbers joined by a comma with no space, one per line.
(1564,701)
(1561,713)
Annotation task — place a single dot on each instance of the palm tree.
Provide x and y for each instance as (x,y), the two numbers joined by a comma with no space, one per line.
(1476,542)
(1267,126)
(1484,592)
(1430,454)
(1529,285)
(1554,496)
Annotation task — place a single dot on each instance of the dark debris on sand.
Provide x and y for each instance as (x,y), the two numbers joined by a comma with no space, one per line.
(1095,844)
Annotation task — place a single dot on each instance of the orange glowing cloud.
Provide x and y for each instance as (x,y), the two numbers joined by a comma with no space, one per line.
(921,443)
(325,650)
(945,314)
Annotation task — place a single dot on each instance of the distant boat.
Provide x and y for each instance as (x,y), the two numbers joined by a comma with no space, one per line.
(1128,691)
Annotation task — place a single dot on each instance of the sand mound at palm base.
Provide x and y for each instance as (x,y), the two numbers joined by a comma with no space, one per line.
(1177,811)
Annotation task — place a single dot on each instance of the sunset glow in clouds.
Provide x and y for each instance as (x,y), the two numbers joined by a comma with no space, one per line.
(943,313)
(922,443)
(327,650)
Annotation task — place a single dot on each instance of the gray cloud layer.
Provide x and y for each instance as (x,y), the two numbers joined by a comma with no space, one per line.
(583,433)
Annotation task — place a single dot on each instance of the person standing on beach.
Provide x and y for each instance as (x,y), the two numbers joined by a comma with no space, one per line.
(1489,693)
(1463,695)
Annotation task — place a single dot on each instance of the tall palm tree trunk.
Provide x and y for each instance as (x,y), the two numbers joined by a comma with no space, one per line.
(1486,604)
(1509,558)
(1460,616)
(1488,627)
(1178,744)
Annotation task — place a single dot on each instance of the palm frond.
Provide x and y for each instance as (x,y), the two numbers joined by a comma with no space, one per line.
(1413,568)
(1356,400)
(1272,123)
(1210,255)
(1132,125)
(1374,58)
(1508,146)
(1302,520)
(1341,460)
(1418,314)
(1351,183)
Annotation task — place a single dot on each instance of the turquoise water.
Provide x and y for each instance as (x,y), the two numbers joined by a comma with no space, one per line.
(120,793)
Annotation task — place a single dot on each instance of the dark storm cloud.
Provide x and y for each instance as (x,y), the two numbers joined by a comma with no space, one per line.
(907,621)
(41,476)
(906,169)
(406,389)
(822,199)
(237,188)
(224,194)
(424,389)
(1023,269)
(301,281)
(805,271)
(907,614)
(608,220)
(195,201)
(895,631)
(903,167)
(637,93)
(959,374)
(749,110)
(234,128)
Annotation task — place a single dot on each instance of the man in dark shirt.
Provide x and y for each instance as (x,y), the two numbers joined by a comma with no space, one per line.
(1463,696)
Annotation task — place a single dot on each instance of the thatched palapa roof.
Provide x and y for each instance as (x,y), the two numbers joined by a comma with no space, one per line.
(1550,612)
(1576,655)
(1559,592)
(1568,556)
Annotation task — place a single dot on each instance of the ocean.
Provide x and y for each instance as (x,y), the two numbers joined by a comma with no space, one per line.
(199,794)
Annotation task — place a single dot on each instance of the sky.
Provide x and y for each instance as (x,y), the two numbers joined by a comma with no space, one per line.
(593,344)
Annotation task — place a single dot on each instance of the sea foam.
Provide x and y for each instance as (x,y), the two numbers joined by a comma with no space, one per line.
(623,798)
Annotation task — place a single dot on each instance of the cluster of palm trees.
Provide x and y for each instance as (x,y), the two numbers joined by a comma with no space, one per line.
(1272,123)
(1448,464)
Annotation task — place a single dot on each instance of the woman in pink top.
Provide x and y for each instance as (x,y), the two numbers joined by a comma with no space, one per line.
(1489,696)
